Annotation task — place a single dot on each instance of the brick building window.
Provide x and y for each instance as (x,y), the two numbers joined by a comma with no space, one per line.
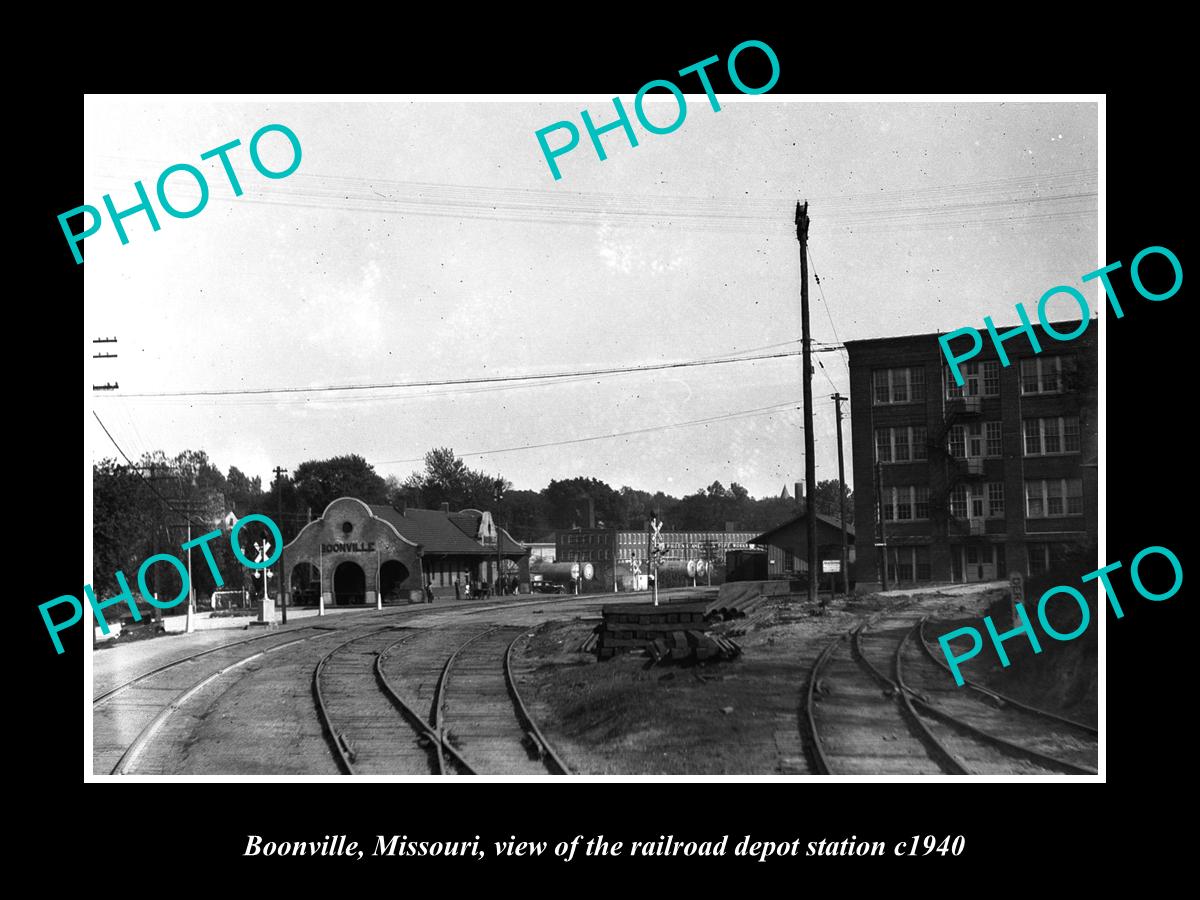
(976,440)
(1045,437)
(977,501)
(904,443)
(995,491)
(899,385)
(911,563)
(1044,374)
(921,502)
(979,380)
(1053,497)
(905,503)
(958,501)
(995,438)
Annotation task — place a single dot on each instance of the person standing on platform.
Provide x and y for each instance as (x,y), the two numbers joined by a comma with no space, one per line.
(457,589)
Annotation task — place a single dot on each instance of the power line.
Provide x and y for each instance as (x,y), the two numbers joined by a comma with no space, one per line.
(496,379)
(748,413)
(829,314)
(922,207)
(134,468)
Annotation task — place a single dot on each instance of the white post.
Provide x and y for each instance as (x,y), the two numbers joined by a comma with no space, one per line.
(191,585)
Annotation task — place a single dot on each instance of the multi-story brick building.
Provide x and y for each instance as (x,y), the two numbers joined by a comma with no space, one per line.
(613,552)
(971,483)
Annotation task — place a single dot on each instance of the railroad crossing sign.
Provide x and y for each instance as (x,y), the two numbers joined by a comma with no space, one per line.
(635,567)
(575,571)
(262,547)
(701,566)
(588,571)
(692,568)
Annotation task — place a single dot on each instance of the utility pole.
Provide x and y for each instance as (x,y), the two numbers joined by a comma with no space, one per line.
(882,545)
(810,463)
(838,400)
(499,495)
(279,473)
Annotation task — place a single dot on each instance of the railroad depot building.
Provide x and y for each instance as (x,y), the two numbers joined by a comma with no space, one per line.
(787,546)
(972,483)
(360,553)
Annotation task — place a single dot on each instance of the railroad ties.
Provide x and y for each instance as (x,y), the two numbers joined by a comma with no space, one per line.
(989,732)
(370,728)
(481,715)
(136,724)
(457,679)
(878,702)
(389,701)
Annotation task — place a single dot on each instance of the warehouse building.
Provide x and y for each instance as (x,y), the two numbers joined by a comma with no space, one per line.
(972,483)
(787,546)
(617,555)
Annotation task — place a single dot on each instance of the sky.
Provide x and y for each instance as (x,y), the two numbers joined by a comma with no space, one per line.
(423,241)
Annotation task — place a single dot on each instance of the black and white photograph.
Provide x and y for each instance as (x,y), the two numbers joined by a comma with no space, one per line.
(534,438)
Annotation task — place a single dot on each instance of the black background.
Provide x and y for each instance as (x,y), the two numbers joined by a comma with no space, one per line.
(1146,444)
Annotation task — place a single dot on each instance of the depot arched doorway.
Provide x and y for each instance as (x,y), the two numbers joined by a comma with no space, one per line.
(305,587)
(392,574)
(349,584)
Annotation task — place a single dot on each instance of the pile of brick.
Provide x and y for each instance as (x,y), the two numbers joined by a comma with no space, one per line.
(673,631)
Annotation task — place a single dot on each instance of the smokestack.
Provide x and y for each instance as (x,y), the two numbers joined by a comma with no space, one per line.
(799,493)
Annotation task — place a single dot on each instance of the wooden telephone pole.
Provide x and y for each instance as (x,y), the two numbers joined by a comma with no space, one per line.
(810,463)
(279,473)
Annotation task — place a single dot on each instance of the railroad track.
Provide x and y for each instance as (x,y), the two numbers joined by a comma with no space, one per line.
(128,719)
(369,725)
(479,712)
(440,701)
(113,691)
(877,702)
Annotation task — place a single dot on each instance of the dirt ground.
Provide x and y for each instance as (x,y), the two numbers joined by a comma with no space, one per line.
(740,716)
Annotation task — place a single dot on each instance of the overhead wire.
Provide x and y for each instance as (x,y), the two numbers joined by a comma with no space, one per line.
(764,410)
(495,379)
(137,471)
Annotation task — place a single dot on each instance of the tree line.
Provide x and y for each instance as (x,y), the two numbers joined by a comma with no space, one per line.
(143,509)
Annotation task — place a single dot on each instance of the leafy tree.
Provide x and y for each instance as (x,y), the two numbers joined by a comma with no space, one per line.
(447,479)
(321,481)
(567,503)
(123,525)
(826,500)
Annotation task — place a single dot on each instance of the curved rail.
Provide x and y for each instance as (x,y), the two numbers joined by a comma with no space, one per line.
(120,687)
(439,693)
(941,754)
(134,750)
(819,758)
(1002,698)
(549,758)
(1006,746)
(343,753)
(413,717)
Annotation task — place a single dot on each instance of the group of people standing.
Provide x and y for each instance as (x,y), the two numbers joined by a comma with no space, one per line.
(465,588)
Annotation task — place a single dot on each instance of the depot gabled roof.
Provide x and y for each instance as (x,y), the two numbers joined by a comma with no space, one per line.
(764,538)
(448,533)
